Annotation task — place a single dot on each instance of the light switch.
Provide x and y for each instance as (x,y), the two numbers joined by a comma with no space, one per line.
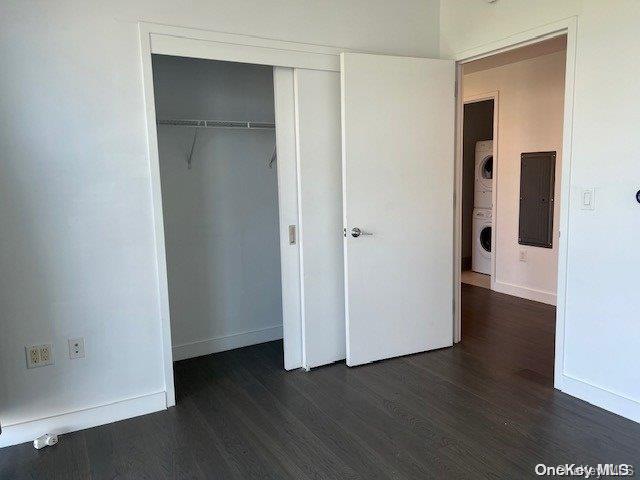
(588,199)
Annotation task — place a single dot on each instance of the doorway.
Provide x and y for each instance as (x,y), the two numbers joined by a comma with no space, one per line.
(218,169)
(512,139)
(306,97)
(478,160)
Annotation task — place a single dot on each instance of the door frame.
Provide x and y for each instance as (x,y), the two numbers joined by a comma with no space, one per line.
(495,96)
(568,27)
(193,43)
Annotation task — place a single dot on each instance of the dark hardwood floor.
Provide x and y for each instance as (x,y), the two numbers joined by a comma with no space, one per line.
(483,409)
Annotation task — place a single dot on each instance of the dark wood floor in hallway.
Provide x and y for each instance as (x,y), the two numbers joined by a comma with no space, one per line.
(483,409)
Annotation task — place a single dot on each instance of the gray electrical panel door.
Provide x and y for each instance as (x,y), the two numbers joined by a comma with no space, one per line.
(537,182)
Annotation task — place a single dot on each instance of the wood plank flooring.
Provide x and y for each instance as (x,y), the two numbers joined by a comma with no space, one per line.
(483,409)
(470,277)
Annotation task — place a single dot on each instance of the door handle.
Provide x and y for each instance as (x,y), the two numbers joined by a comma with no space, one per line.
(292,234)
(357,232)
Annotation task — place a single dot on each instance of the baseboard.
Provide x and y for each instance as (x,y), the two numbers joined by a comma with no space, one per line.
(81,419)
(549,298)
(600,397)
(226,342)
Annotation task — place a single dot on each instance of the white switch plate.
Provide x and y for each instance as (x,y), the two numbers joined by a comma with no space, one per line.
(76,348)
(39,355)
(588,199)
(522,255)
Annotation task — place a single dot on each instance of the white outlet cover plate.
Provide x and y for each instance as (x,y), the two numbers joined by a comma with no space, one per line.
(39,355)
(76,348)
(588,199)
(46,354)
(33,356)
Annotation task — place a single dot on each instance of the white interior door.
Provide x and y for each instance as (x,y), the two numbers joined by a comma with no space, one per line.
(398,167)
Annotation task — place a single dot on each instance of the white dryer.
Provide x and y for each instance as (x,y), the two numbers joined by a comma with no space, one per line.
(481,251)
(483,184)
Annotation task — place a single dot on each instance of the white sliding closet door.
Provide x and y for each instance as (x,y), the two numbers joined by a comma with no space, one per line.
(284,98)
(309,170)
(320,203)
(398,161)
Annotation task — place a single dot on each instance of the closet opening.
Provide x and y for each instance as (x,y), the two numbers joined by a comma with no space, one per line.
(219,187)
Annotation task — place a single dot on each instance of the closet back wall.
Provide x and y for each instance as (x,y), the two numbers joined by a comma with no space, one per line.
(221,216)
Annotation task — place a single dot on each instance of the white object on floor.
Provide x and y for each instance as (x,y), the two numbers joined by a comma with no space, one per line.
(46,440)
(481,251)
(483,182)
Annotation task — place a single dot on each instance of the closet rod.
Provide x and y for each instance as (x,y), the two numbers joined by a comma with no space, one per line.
(216,124)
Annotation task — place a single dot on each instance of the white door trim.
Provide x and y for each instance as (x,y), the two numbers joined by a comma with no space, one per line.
(495,96)
(188,42)
(569,27)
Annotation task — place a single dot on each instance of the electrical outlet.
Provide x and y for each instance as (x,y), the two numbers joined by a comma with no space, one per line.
(46,354)
(76,348)
(522,255)
(39,355)
(33,356)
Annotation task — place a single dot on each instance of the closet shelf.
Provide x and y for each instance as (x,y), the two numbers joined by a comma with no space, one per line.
(217,124)
(196,124)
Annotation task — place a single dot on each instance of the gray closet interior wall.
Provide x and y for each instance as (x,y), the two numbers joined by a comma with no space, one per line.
(221,216)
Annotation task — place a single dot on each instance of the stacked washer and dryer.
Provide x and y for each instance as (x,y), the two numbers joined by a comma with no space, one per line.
(482,208)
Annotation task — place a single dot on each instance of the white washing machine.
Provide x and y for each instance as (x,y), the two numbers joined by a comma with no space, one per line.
(483,184)
(481,252)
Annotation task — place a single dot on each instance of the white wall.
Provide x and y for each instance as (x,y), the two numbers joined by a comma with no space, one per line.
(465,24)
(77,249)
(602,334)
(530,116)
(220,216)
